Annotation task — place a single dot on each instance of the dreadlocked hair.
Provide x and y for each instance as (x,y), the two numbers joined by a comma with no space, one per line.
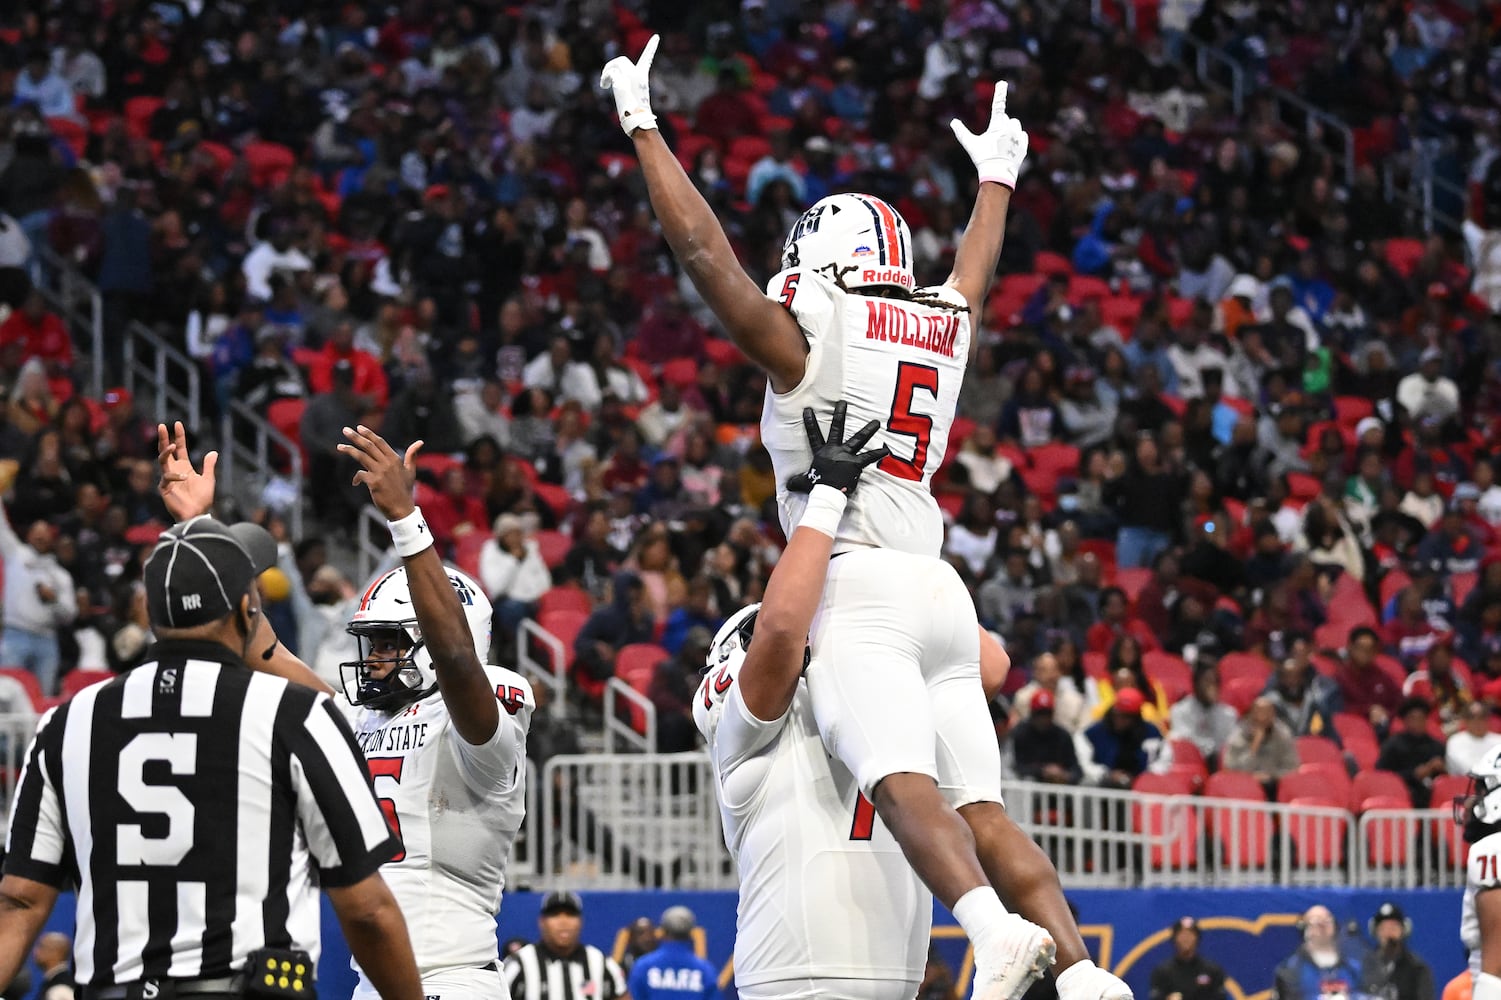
(921,297)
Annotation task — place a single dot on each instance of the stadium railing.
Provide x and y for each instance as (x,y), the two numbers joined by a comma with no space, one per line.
(78,302)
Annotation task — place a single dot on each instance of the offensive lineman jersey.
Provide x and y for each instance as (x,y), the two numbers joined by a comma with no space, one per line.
(825,891)
(457,809)
(897,361)
(1480,875)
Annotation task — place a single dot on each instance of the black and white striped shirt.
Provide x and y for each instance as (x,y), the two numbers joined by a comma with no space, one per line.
(191,802)
(535,973)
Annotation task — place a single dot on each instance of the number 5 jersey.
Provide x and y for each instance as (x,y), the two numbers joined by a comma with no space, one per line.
(898,361)
(457,808)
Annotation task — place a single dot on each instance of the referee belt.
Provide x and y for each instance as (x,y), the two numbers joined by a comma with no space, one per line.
(167,989)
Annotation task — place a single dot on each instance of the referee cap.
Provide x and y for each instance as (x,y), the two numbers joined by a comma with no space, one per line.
(201,568)
(562,901)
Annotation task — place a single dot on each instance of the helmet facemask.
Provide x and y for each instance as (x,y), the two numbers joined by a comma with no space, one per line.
(406,681)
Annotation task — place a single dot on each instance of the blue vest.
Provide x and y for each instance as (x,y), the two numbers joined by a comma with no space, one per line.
(673,972)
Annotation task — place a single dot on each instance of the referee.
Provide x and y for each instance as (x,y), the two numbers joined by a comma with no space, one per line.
(560,966)
(196,806)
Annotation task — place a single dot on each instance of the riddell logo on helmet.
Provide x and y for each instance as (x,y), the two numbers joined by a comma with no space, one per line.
(886,276)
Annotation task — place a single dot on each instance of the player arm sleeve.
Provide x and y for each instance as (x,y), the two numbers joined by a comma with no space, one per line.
(36,847)
(741,735)
(336,807)
(499,762)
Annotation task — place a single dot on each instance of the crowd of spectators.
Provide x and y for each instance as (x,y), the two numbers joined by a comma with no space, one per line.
(1224,402)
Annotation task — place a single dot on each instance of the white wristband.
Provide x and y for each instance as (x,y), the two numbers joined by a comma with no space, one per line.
(410,535)
(824,511)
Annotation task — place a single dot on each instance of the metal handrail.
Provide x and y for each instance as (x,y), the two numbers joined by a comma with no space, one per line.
(233,453)
(617,690)
(67,299)
(170,402)
(554,674)
(368,554)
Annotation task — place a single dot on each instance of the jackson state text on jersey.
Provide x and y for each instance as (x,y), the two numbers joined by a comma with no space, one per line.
(894,360)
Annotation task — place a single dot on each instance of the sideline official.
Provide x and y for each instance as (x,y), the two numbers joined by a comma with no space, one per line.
(560,966)
(193,802)
(673,971)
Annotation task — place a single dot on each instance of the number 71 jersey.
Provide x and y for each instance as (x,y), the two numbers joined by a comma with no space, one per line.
(897,361)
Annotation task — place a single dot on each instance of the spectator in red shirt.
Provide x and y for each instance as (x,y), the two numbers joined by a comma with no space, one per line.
(626,471)
(726,114)
(1365,688)
(34,332)
(1115,622)
(669,331)
(369,378)
(453,512)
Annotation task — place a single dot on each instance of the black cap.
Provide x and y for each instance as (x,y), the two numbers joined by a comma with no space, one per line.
(1388,911)
(562,901)
(201,568)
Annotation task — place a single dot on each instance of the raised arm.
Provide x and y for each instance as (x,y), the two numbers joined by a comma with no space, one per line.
(774,661)
(462,679)
(998,153)
(761,328)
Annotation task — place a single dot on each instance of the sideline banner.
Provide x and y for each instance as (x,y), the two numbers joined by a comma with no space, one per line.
(1248,931)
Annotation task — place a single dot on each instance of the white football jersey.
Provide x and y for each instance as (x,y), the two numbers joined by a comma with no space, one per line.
(897,361)
(456,808)
(1480,875)
(825,891)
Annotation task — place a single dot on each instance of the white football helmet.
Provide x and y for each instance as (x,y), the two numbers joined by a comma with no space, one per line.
(721,666)
(1483,802)
(386,607)
(857,239)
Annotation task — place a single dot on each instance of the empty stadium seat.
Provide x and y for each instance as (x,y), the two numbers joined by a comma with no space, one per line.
(1175,675)
(1388,838)
(635,664)
(1239,692)
(1253,665)
(466,552)
(1319,750)
(1242,837)
(565,625)
(1352,726)
(1364,752)
(1318,841)
(76,680)
(554,546)
(27,680)
(1171,828)
(1133,581)
(565,598)
(1324,780)
(1369,786)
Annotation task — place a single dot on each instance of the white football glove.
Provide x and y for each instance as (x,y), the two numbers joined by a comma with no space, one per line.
(630,83)
(998,152)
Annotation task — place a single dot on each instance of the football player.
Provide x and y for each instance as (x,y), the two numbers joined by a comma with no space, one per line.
(444,734)
(899,700)
(1479,813)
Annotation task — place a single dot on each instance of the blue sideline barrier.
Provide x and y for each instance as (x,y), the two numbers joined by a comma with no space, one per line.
(1248,931)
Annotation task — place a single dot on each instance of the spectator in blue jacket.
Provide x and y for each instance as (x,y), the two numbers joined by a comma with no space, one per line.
(674,971)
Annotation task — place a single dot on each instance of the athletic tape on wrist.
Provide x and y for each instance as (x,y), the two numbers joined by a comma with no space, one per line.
(824,511)
(410,535)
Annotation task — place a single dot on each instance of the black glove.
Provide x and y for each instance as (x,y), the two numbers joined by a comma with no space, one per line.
(836,462)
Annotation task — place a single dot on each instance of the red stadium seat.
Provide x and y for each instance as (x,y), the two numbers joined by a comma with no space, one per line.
(1175,676)
(70,133)
(681,372)
(466,552)
(1302,486)
(1351,726)
(1351,410)
(1096,665)
(565,598)
(269,163)
(1059,460)
(27,680)
(749,147)
(1323,780)
(1021,286)
(1121,312)
(1392,583)
(1460,585)
(1318,841)
(1370,785)
(635,664)
(1243,837)
(1364,752)
(565,627)
(1239,692)
(554,546)
(1133,581)
(76,680)
(1047,262)
(138,112)
(1388,838)
(1252,665)
(1083,287)
(1172,828)
(1320,750)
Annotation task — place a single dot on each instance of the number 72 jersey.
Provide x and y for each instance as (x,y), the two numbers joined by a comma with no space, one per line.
(896,361)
